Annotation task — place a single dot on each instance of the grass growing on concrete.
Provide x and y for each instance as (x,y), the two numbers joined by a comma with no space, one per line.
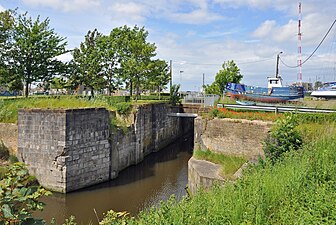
(9,108)
(229,164)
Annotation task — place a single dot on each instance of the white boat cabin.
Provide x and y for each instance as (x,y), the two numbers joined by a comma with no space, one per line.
(274,82)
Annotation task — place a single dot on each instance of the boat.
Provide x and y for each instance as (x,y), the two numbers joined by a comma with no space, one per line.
(328,90)
(275,92)
(247,103)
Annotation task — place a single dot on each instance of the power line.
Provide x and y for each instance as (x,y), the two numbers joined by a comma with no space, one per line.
(318,46)
(217,64)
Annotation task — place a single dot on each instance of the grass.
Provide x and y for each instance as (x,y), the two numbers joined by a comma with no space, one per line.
(9,107)
(229,164)
(299,189)
(318,104)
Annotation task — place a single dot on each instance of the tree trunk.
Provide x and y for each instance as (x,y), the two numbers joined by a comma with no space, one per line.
(137,89)
(26,91)
(92,92)
(131,88)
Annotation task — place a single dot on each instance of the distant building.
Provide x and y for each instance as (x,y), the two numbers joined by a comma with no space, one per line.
(307,86)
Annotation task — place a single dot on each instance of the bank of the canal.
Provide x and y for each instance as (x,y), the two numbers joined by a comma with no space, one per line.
(138,187)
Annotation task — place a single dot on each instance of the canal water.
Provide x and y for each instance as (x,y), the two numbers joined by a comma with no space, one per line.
(138,187)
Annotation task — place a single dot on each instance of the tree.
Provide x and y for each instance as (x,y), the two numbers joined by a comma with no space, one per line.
(7,22)
(58,83)
(212,89)
(111,60)
(136,54)
(88,62)
(158,74)
(229,73)
(35,50)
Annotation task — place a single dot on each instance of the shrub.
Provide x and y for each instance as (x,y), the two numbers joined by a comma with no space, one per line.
(175,96)
(13,159)
(214,113)
(19,197)
(123,107)
(283,138)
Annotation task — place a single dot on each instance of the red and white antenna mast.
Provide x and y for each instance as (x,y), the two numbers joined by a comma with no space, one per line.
(299,61)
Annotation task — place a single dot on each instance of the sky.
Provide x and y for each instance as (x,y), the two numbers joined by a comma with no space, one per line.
(199,35)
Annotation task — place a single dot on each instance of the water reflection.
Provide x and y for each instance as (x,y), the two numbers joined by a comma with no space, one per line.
(160,175)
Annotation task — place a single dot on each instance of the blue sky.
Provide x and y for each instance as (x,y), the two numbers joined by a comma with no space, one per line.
(199,35)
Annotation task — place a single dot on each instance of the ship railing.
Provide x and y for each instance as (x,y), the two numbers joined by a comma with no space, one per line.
(276,109)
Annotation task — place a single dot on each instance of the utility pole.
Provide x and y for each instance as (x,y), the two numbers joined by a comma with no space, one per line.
(277,65)
(171,76)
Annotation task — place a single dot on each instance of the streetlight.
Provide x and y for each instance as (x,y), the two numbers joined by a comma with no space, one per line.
(181,71)
(277,65)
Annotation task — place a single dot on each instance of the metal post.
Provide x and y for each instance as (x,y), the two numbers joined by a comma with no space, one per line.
(171,76)
(277,65)
(203,92)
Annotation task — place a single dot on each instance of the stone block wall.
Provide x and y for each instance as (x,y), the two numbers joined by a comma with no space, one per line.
(65,149)
(41,142)
(152,130)
(87,147)
(70,149)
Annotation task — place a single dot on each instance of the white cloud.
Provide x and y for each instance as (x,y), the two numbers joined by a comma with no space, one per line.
(286,33)
(2,8)
(64,5)
(129,12)
(264,29)
(198,16)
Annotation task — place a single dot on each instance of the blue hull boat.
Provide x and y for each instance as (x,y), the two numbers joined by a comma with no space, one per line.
(274,93)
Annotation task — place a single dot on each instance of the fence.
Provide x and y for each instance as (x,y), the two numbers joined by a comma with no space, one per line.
(205,100)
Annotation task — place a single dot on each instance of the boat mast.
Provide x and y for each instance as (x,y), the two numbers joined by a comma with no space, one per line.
(277,65)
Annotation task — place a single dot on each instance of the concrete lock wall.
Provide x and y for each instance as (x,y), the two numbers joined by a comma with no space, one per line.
(8,135)
(232,136)
(70,149)
(227,136)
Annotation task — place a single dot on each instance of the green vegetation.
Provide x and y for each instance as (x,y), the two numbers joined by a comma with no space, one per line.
(29,51)
(123,58)
(283,138)
(175,96)
(239,114)
(19,196)
(230,164)
(9,108)
(123,107)
(299,189)
(228,73)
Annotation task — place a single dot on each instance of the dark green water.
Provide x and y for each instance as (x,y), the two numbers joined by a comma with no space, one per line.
(138,187)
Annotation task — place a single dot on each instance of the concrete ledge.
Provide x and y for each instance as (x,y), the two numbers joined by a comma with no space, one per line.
(8,134)
(203,174)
